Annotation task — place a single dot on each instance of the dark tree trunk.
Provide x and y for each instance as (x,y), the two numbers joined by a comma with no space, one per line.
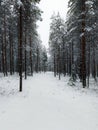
(13,67)
(83,43)
(72,58)
(10,40)
(11,51)
(25,54)
(94,63)
(67,60)
(5,56)
(59,62)
(37,61)
(64,60)
(20,47)
(88,63)
(31,64)
(54,65)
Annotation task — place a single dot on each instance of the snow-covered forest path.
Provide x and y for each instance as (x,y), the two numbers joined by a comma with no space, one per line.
(46,104)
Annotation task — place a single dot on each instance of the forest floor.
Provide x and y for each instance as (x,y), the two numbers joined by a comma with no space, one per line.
(47,103)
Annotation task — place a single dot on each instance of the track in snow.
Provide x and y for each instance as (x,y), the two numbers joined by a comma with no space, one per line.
(46,104)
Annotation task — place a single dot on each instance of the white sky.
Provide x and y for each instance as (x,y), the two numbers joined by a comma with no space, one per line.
(48,7)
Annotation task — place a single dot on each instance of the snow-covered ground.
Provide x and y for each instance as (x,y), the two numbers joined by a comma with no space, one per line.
(46,104)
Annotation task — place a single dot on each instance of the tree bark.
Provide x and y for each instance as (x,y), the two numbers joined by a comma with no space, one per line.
(25,54)
(5,56)
(20,47)
(31,64)
(83,43)
(37,61)
(54,66)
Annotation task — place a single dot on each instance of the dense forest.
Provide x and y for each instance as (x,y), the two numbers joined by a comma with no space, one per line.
(74,43)
(73,47)
(21,49)
(48,65)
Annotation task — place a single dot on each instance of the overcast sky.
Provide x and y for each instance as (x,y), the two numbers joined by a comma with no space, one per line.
(48,7)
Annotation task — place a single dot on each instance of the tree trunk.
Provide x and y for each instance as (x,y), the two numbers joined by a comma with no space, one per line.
(88,63)
(64,60)
(3,54)
(94,63)
(5,57)
(13,67)
(37,61)
(59,62)
(31,64)
(83,43)
(54,66)
(10,54)
(25,54)
(20,47)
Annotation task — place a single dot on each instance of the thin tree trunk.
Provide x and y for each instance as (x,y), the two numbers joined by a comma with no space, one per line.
(13,56)
(54,66)
(64,60)
(31,64)
(67,60)
(3,54)
(37,64)
(10,40)
(88,64)
(5,57)
(94,63)
(59,63)
(20,47)
(71,57)
(25,55)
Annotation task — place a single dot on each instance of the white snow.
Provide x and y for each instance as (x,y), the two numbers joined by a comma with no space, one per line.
(89,2)
(46,104)
(88,29)
(19,3)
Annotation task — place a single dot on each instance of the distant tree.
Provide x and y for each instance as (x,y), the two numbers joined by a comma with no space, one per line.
(44,59)
(57,43)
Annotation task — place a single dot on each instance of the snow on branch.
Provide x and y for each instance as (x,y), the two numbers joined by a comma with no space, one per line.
(19,3)
(89,2)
